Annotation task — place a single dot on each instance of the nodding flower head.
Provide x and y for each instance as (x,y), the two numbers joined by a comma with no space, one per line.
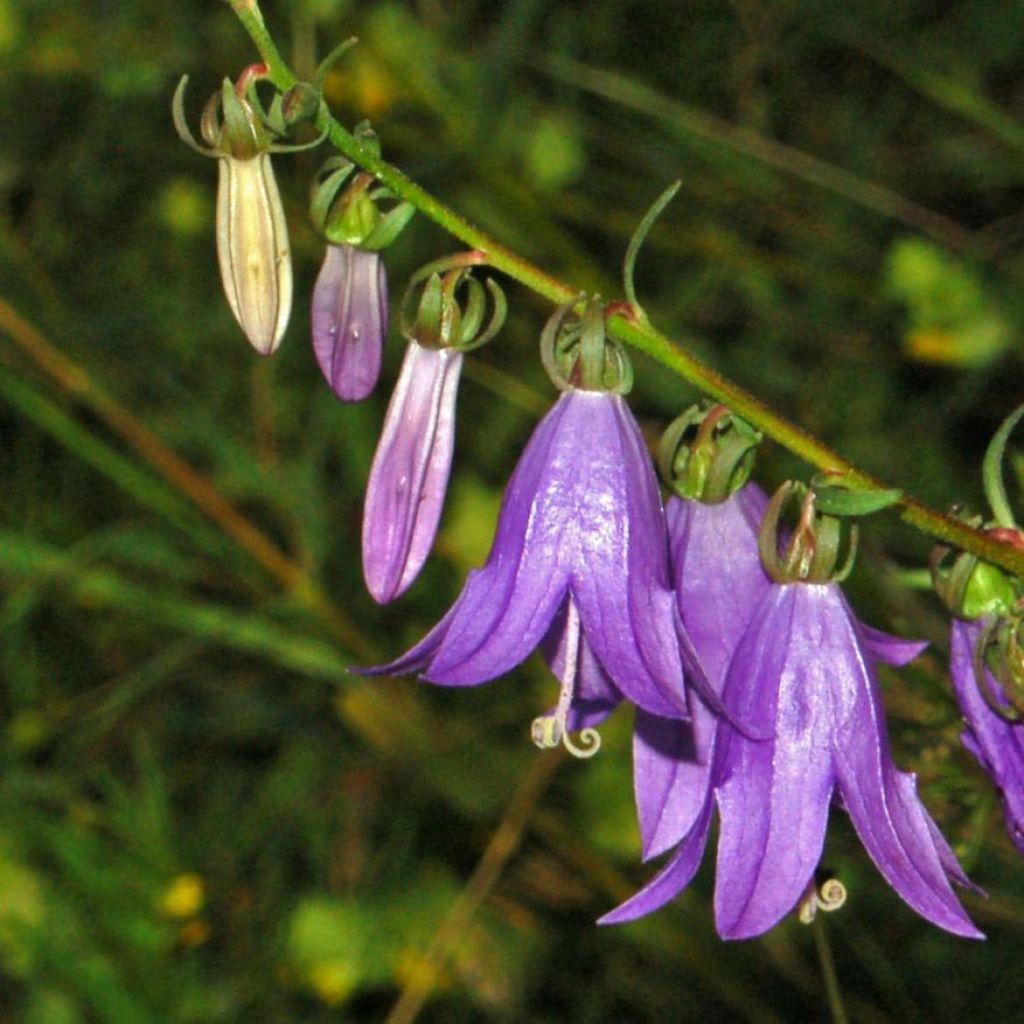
(581,522)
(803,673)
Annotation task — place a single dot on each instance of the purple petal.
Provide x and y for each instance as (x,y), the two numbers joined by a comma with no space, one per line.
(718,581)
(996,743)
(717,572)
(671,880)
(774,794)
(349,319)
(670,780)
(506,607)
(406,489)
(893,650)
(581,516)
(617,551)
(882,802)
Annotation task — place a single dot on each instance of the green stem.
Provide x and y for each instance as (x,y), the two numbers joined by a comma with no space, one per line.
(641,336)
(828,972)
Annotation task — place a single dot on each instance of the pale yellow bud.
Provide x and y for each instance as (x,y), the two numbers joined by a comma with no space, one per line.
(252,247)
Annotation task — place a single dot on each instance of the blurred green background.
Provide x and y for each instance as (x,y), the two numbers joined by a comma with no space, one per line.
(203,817)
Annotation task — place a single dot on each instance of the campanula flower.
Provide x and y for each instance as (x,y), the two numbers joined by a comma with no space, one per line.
(581,522)
(803,677)
(718,580)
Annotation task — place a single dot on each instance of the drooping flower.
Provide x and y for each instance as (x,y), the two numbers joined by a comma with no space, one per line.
(581,522)
(803,676)
(349,319)
(994,731)
(409,476)
(718,580)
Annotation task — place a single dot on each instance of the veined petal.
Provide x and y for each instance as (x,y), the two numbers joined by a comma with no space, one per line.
(996,743)
(619,555)
(893,650)
(409,477)
(506,607)
(773,794)
(882,802)
(670,780)
(671,880)
(716,571)
(349,318)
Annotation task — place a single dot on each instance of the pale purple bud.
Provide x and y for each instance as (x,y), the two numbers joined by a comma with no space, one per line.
(349,319)
(405,494)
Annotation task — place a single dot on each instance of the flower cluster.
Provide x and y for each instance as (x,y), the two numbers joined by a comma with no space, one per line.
(754,683)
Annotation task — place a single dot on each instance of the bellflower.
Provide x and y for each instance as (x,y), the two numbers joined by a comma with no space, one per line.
(409,476)
(718,580)
(580,532)
(350,319)
(993,733)
(803,676)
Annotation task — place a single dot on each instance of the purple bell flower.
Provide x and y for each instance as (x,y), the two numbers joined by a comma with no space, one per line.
(719,580)
(996,741)
(349,319)
(409,476)
(580,534)
(803,675)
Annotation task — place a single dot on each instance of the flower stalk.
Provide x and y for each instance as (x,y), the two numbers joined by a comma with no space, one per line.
(639,334)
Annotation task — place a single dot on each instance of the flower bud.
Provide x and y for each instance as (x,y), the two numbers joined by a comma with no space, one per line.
(409,478)
(349,319)
(252,248)
(252,235)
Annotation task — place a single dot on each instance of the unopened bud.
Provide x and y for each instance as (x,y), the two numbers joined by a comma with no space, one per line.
(252,247)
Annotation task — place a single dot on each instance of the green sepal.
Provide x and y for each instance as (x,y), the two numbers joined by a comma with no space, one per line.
(473,312)
(274,117)
(988,592)
(717,461)
(389,227)
(428,327)
(836,497)
(181,125)
(441,320)
(813,550)
(992,471)
(496,322)
(327,182)
(577,351)
(242,134)
(353,219)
